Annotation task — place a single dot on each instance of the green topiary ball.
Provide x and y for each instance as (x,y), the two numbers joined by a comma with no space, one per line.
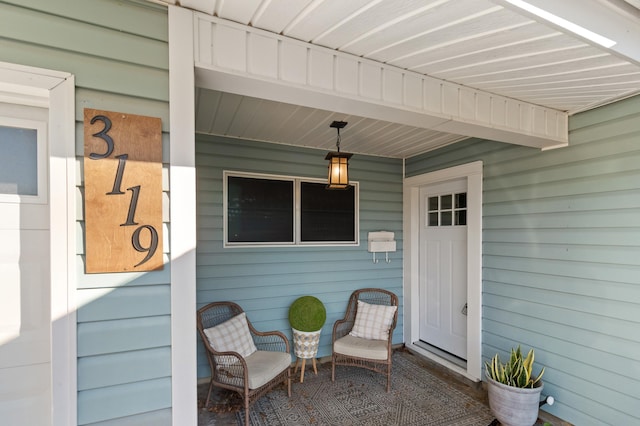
(307,313)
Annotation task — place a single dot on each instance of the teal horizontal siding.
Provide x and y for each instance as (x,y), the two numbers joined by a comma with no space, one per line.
(127,302)
(561,256)
(115,401)
(88,38)
(125,367)
(101,58)
(104,337)
(144,19)
(265,281)
(155,418)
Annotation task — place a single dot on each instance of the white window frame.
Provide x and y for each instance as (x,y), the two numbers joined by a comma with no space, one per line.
(41,161)
(297,180)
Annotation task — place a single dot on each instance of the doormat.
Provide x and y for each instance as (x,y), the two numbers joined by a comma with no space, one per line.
(358,397)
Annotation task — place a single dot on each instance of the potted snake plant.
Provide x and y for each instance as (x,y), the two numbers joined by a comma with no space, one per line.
(514,392)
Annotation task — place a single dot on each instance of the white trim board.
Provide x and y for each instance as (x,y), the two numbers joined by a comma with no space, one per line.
(182,188)
(411,188)
(56,90)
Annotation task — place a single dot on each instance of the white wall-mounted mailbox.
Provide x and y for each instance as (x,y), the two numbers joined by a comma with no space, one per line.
(381,241)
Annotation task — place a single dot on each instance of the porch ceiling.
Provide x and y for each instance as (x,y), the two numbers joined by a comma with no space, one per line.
(491,46)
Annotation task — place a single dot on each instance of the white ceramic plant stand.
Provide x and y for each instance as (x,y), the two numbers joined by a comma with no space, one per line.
(305,346)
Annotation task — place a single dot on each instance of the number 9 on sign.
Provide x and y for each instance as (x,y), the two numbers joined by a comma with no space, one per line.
(152,245)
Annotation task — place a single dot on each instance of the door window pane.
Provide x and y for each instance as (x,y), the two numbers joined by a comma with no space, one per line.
(18,161)
(461,217)
(445,218)
(433,203)
(433,219)
(445,202)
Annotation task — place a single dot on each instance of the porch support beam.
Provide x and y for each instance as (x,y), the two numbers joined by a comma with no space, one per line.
(182,190)
(235,58)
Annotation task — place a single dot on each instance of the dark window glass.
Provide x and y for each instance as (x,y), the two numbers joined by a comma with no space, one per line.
(259,210)
(446,202)
(461,200)
(445,218)
(326,214)
(433,219)
(461,217)
(433,203)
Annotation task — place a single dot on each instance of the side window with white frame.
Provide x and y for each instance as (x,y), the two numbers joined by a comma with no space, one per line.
(23,160)
(272,210)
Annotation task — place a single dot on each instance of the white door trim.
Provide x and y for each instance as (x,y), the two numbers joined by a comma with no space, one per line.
(411,205)
(56,90)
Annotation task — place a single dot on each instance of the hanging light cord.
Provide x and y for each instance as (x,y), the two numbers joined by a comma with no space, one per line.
(338,141)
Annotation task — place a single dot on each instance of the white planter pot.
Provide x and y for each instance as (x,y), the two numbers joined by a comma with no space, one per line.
(514,406)
(305,343)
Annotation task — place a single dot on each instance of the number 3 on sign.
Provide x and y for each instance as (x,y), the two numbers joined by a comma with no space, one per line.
(123,233)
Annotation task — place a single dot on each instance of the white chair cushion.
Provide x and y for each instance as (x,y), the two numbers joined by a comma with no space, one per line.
(232,335)
(263,366)
(373,321)
(361,348)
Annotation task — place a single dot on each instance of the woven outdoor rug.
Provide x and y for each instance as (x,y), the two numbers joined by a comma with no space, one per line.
(358,397)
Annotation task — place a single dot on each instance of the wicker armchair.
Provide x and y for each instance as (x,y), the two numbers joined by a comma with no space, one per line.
(251,376)
(373,354)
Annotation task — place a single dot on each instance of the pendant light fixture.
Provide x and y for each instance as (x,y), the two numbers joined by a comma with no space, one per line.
(338,162)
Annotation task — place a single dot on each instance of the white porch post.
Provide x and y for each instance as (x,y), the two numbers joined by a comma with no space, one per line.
(182,176)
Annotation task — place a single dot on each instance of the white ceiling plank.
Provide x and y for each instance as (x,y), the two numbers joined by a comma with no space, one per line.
(537,50)
(248,109)
(524,37)
(575,82)
(523,75)
(464,30)
(560,61)
(237,11)
(319,16)
(277,14)
(376,17)
(205,6)
(598,17)
(225,116)
(207,104)
(392,32)
(494,83)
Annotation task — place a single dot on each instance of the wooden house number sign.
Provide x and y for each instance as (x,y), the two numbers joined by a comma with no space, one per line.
(122,192)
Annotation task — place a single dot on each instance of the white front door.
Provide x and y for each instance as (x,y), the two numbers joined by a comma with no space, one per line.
(25,275)
(443,266)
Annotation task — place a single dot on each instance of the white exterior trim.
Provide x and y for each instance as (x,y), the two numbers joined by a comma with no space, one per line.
(239,59)
(56,91)
(411,199)
(182,190)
